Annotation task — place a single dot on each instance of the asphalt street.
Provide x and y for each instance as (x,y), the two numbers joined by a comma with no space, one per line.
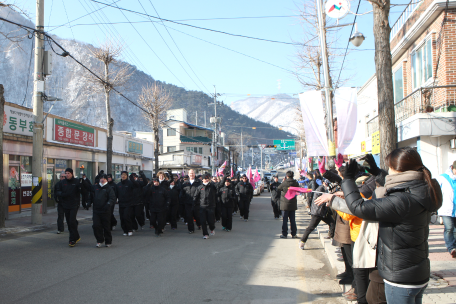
(250,264)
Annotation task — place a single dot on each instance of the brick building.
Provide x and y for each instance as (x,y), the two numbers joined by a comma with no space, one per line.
(424,79)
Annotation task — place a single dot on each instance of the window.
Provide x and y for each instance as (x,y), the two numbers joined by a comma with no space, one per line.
(171,132)
(422,64)
(200,150)
(171,148)
(398,85)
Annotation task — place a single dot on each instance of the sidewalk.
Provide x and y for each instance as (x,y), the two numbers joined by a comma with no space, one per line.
(442,285)
(22,222)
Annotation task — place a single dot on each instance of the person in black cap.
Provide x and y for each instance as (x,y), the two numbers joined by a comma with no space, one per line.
(69,193)
(275,197)
(227,196)
(157,199)
(206,195)
(244,191)
(85,193)
(126,195)
(102,198)
(112,184)
(137,204)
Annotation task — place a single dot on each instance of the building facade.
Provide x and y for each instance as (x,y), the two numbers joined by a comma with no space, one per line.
(67,144)
(424,81)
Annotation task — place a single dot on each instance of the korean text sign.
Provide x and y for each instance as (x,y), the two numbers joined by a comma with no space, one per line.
(134,147)
(73,133)
(18,121)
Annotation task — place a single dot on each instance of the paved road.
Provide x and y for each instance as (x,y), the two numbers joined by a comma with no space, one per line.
(250,264)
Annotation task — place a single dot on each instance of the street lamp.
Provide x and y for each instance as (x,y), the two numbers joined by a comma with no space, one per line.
(357,38)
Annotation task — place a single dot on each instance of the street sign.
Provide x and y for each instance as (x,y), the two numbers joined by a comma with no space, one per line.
(284,144)
(269,150)
(291,153)
(337,9)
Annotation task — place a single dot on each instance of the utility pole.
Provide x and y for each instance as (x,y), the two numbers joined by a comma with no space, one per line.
(328,99)
(261,156)
(37,159)
(242,152)
(3,198)
(252,156)
(214,138)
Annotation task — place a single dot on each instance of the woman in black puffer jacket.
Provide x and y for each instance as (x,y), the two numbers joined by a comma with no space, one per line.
(403,209)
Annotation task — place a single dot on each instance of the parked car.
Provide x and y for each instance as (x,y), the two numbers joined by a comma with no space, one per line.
(273,172)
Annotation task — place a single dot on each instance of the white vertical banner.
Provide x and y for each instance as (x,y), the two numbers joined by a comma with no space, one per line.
(314,123)
(348,139)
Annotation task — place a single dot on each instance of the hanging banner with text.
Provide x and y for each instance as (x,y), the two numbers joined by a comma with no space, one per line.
(314,123)
(348,133)
(73,133)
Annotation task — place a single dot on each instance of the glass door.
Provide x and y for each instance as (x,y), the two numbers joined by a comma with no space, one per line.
(14,187)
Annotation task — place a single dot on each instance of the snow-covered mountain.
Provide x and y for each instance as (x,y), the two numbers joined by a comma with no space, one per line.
(277,110)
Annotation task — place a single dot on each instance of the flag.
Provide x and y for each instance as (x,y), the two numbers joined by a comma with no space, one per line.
(257,176)
(250,177)
(291,193)
(232,173)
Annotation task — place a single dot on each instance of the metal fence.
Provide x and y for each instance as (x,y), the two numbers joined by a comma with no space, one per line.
(422,100)
(409,10)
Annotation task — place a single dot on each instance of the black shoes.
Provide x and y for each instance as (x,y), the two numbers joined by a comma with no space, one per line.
(343,275)
(283,236)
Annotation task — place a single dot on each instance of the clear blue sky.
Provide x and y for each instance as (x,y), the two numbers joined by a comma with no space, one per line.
(234,75)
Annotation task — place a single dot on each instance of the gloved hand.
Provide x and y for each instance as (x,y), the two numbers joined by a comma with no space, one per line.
(351,170)
(321,165)
(374,169)
(339,160)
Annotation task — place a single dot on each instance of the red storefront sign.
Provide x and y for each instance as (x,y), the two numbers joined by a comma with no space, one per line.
(69,132)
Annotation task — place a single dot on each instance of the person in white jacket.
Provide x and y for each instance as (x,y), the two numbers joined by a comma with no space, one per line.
(447,182)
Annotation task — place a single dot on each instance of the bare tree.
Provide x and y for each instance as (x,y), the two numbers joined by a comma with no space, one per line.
(112,73)
(383,68)
(10,40)
(156,101)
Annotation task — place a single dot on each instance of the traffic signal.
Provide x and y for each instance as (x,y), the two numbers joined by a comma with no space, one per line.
(271,146)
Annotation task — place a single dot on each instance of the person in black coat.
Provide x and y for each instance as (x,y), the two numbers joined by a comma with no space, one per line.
(158,201)
(206,195)
(126,194)
(112,184)
(60,213)
(234,182)
(403,209)
(69,193)
(173,204)
(275,197)
(227,196)
(244,191)
(288,207)
(191,206)
(85,193)
(137,206)
(102,198)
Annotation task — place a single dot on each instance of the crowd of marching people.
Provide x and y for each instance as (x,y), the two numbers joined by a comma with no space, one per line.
(199,201)
(378,219)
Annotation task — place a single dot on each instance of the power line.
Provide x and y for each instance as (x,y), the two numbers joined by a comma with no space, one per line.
(346,49)
(175,44)
(58,26)
(64,7)
(66,53)
(194,26)
(152,50)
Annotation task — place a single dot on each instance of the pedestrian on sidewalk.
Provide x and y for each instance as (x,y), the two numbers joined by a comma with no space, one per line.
(288,207)
(447,182)
(402,208)
(158,201)
(206,195)
(138,219)
(275,197)
(102,198)
(244,191)
(69,192)
(172,212)
(126,195)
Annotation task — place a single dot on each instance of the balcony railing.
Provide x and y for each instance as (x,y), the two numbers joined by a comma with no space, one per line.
(409,10)
(422,100)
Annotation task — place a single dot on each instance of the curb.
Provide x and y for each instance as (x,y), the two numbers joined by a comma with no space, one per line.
(24,229)
(330,250)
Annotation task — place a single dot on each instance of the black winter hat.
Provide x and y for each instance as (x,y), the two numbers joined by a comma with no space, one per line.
(124,172)
(206,176)
(105,176)
(69,170)
(109,175)
(155,179)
